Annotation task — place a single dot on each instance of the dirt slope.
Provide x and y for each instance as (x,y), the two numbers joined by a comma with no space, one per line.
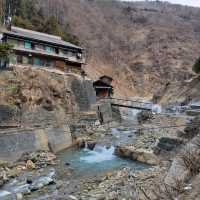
(142,45)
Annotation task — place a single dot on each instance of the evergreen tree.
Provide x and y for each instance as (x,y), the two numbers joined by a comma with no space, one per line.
(19,8)
(51,26)
(28,14)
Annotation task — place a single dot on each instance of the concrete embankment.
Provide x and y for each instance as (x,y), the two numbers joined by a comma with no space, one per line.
(14,143)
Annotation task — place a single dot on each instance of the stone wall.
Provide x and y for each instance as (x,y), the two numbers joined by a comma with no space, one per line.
(9,115)
(43,97)
(84,94)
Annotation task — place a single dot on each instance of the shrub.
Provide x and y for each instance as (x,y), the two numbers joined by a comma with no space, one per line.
(5,50)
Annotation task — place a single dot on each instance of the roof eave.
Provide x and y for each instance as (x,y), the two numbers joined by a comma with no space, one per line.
(37,40)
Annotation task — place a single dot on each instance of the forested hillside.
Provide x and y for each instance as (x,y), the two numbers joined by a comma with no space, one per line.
(143,46)
(30,14)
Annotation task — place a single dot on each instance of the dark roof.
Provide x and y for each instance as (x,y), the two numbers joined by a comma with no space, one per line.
(105,76)
(100,83)
(42,37)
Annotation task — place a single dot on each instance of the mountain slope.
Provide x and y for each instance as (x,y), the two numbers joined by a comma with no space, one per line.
(142,45)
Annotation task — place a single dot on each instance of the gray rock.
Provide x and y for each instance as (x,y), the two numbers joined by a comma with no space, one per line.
(5,195)
(19,196)
(167,144)
(24,189)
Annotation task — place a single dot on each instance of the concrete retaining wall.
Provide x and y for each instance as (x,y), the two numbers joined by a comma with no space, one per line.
(59,138)
(14,143)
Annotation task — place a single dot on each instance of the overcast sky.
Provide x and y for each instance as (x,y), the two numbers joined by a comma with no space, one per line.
(183,2)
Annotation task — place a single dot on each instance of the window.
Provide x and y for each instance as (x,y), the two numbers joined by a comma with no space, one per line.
(49,49)
(27,45)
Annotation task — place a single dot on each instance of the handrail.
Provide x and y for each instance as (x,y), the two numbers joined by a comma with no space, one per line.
(128,100)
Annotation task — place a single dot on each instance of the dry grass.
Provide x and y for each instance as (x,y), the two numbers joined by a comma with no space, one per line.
(163,191)
(191,160)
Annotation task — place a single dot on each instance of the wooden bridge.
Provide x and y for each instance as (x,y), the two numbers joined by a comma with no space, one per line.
(126,103)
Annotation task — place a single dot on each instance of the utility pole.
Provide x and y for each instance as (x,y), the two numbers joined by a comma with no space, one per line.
(7,15)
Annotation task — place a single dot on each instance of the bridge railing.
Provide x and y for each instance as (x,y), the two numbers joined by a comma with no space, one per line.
(129,103)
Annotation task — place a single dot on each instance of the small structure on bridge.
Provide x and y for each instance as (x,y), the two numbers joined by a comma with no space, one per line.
(103,87)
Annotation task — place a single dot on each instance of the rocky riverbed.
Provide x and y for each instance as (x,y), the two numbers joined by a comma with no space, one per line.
(43,176)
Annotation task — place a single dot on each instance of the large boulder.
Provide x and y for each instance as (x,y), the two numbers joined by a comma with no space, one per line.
(192,129)
(140,155)
(167,144)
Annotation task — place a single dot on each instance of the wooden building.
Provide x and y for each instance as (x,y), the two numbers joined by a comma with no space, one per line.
(40,49)
(103,87)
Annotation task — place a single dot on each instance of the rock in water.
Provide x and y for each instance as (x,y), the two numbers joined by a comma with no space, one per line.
(91,145)
(40,183)
(86,143)
(71,197)
(80,143)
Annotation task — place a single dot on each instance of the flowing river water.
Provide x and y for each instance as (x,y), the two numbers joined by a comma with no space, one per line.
(86,164)
(101,159)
